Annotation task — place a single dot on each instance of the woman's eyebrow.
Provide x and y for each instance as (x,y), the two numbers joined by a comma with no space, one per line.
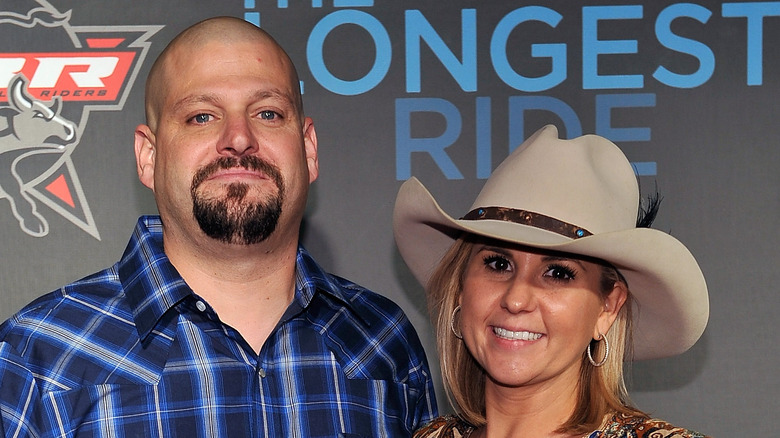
(555,258)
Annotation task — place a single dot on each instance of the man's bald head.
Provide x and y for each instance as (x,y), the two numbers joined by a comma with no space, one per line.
(223,30)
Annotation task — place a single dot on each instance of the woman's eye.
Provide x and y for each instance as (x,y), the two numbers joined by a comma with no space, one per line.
(560,273)
(497,263)
(201,118)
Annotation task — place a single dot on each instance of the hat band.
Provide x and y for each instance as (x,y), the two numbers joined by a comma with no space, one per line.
(530,218)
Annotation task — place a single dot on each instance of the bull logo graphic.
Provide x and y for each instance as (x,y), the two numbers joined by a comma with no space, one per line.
(44,15)
(28,127)
(49,85)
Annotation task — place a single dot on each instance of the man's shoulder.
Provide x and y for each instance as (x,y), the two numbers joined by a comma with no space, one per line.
(370,306)
(73,335)
(96,296)
(369,327)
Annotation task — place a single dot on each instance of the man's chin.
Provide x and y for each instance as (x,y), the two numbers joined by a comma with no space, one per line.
(238,194)
(238,221)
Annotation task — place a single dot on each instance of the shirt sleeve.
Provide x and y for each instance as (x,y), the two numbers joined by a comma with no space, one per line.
(426,406)
(19,396)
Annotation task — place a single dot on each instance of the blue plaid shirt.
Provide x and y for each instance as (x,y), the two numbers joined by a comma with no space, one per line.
(132,352)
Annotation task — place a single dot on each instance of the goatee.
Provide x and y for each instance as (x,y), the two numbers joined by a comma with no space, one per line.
(232,219)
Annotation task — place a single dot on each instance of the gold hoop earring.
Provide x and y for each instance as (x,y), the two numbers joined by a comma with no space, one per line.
(452,323)
(606,352)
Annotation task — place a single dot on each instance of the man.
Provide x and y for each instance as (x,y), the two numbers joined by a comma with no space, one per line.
(215,323)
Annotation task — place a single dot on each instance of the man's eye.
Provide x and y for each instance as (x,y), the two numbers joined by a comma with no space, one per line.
(268,115)
(201,118)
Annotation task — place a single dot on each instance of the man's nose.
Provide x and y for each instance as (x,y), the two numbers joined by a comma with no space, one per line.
(237,138)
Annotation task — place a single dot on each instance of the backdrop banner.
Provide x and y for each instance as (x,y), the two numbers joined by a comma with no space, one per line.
(440,90)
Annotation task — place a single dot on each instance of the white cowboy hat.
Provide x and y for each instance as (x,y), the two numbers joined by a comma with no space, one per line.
(577,196)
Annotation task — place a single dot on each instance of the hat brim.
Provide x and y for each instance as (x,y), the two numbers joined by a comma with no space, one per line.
(669,290)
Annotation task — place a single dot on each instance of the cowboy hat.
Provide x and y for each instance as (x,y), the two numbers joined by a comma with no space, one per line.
(581,197)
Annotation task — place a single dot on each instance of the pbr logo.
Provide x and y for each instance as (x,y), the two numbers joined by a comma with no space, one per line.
(52,76)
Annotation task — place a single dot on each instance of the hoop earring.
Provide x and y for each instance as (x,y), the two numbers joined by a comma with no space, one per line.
(452,324)
(606,352)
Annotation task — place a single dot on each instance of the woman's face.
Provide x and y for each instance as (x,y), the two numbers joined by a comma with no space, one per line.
(527,317)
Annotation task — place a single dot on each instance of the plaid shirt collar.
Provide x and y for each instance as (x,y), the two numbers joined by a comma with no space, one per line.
(153,286)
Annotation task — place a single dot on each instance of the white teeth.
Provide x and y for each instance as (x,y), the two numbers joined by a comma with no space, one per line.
(516,336)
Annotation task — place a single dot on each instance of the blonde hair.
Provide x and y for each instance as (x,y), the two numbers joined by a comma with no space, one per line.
(600,391)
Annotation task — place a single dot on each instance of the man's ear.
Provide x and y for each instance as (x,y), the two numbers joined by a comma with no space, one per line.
(612,305)
(310,149)
(145,148)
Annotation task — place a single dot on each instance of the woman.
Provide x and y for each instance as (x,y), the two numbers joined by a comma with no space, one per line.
(537,292)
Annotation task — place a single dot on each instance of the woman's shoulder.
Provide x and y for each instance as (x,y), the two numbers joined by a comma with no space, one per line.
(448,426)
(621,425)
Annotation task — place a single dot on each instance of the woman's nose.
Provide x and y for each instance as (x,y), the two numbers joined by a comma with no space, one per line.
(519,297)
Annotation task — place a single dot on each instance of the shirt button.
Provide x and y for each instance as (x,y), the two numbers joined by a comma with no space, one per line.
(201,306)
(261,372)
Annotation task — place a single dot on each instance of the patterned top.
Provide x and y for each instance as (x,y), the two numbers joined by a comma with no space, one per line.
(132,352)
(449,426)
(619,426)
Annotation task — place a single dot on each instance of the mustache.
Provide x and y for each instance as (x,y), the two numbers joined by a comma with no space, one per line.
(248,162)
